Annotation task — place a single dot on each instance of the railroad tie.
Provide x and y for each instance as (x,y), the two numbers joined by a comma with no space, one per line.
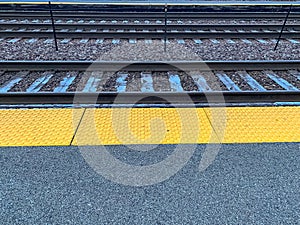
(39,83)
(280,81)
(201,83)
(65,82)
(147,82)
(93,82)
(175,83)
(251,81)
(9,84)
(121,82)
(230,85)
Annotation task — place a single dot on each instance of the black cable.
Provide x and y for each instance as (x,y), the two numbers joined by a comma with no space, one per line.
(53,26)
(165,37)
(286,17)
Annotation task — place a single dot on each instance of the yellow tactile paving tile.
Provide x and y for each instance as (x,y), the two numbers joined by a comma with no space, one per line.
(144,126)
(256,124)
(44,127)
(38,127)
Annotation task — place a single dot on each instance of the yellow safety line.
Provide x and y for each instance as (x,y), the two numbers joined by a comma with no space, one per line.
(116,126)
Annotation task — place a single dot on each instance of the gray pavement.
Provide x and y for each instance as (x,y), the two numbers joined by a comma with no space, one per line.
(246,184)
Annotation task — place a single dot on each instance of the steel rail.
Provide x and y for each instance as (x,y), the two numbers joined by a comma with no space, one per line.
(113,66)
(18,98)
(246,27)
(149,15)
(146,34)
(88,5)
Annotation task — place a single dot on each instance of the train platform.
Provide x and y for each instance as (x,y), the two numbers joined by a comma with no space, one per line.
(122,126)
(222,165)
(246,184)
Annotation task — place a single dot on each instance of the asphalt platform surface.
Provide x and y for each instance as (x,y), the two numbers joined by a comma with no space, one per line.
(245,184)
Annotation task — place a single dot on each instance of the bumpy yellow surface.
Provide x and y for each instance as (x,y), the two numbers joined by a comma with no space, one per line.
(44,127)
(144,126)
(258,124)
(38,127)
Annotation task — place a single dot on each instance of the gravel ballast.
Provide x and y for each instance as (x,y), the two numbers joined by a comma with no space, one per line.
(150,50)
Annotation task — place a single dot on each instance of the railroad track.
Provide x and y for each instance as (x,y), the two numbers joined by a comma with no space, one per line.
(67,26)
(65,30)
(101,82)
(147,11)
